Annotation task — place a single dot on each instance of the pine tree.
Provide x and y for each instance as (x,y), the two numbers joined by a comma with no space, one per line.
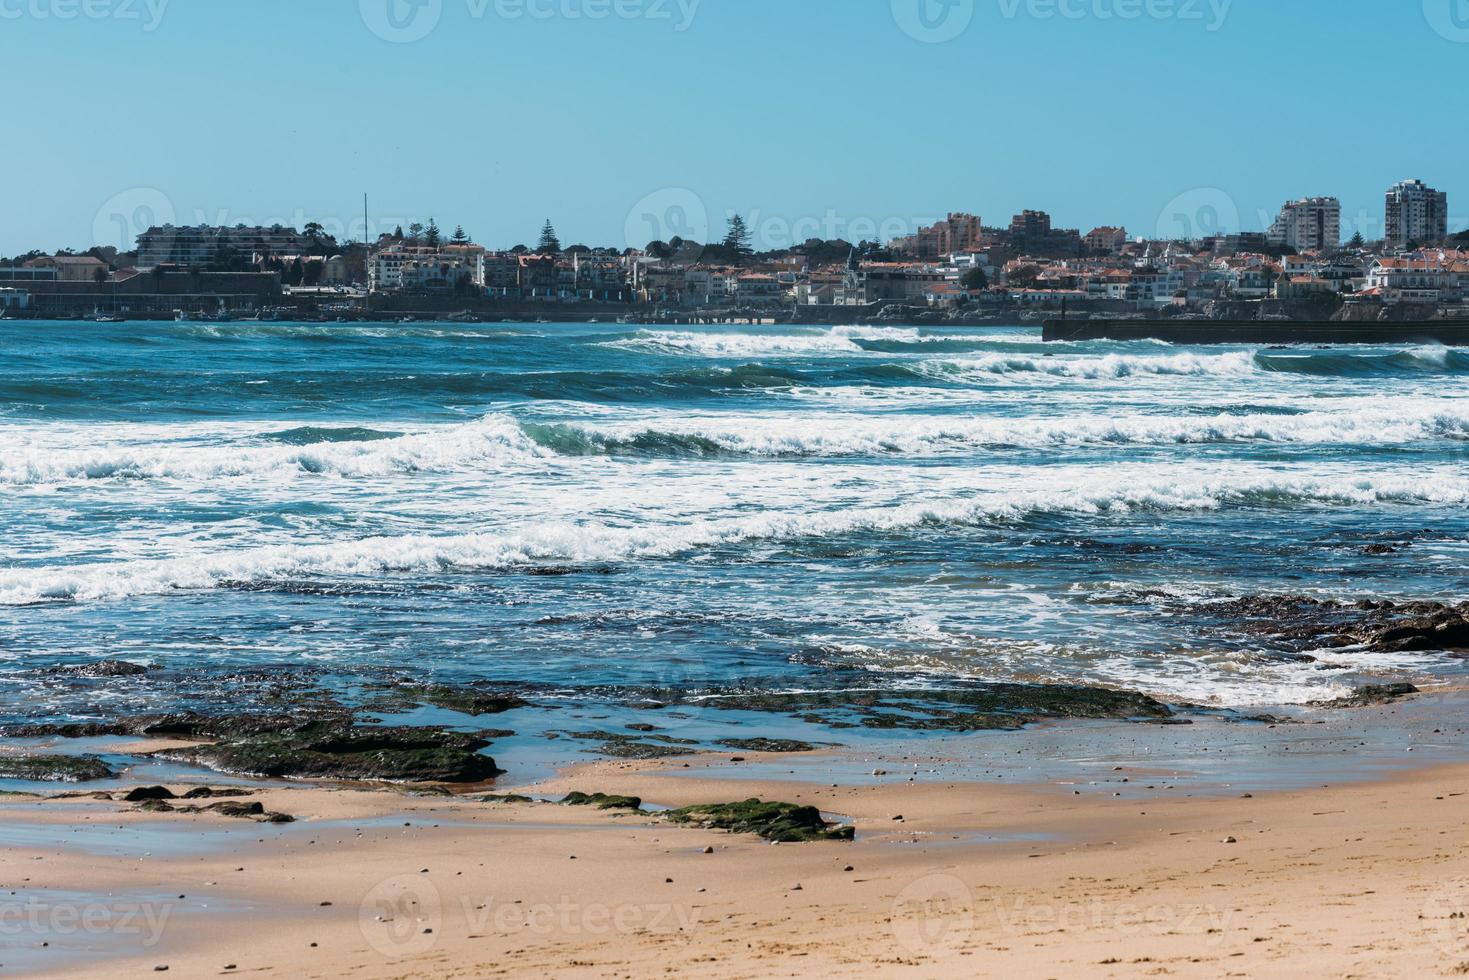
(549,243)
(737,239)
(415,232)
(1357,242)
(459,238)
(432,237)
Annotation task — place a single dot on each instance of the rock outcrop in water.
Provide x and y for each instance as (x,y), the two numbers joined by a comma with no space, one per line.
(101,669)
(355,753)
(54,768)
(1381,627)
(981,707)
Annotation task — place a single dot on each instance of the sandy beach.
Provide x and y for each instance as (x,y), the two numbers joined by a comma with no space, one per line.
(1138,873)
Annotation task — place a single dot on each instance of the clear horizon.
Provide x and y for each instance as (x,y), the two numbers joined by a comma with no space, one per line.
(628,120)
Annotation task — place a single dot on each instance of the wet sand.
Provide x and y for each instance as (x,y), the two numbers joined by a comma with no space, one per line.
(1149,868)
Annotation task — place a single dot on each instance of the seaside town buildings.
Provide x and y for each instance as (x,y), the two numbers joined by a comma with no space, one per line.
(956,264)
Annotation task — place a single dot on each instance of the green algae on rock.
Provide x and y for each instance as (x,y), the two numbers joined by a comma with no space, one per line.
(54,768)
(414,755)
(783,823)
(603,802)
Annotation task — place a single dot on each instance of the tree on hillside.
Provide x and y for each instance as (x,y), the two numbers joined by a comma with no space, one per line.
(459,237)
(1357,242)
(975,279)
(1023,276)
(415,232)
(737,238)
(432,237)
(549,243)
(313,232)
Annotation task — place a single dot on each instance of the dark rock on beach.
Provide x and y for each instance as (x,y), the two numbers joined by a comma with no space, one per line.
(54,768)
(209,793)
(1365,697)
(629,749)
(619,745)
(783,823)
(767,745)
(366,754)
(603,802)
(142,793)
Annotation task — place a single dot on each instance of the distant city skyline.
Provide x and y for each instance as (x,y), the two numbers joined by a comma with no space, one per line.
(820,119)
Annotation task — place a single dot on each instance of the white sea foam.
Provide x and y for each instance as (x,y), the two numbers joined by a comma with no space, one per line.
(1386,422)
(491,440)
(562,541)
(184,453)
(734,345)
(1093,367)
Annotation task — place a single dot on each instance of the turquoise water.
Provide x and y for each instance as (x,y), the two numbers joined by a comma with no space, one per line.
(586,510)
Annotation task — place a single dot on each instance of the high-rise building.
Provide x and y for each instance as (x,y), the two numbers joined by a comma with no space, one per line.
(958,233)
(1311,224)
(1416,213)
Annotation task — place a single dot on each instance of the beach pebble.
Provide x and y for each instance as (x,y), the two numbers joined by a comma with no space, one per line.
(797,888)
(1230,840)
(708,850)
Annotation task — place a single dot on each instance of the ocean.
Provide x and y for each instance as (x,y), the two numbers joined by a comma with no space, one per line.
(591,510)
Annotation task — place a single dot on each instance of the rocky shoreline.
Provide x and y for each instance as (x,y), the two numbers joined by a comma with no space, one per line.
(313,735)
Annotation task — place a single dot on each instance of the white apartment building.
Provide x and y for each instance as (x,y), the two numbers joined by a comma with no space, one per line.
(1416,213)
(1312,224)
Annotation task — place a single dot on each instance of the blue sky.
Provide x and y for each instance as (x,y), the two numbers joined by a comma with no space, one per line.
(619,117)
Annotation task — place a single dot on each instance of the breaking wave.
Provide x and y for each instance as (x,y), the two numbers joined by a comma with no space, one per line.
(502,440)
(592,542)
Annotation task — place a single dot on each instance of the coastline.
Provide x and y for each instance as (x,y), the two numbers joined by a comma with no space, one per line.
(1083,869)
